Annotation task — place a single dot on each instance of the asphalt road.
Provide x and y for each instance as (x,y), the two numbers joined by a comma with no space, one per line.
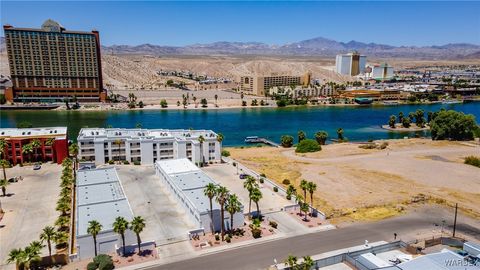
(260,256)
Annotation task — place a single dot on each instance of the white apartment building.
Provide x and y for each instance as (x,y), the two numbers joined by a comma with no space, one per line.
(187,183)
(147,145)
(350,64)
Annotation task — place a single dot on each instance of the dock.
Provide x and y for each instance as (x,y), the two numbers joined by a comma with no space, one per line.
(261,140)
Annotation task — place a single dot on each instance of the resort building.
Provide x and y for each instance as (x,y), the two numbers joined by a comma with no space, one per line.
(100,196)
(302,92)
(350,64)
(146,146)
(379,72)
(51,64)
(260,85)
(187,183)
(50,144)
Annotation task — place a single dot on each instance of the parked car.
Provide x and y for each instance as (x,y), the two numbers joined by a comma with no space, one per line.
(37,166)
(243,176)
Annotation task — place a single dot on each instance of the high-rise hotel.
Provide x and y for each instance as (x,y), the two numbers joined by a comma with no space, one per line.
(350,64)
(51,64)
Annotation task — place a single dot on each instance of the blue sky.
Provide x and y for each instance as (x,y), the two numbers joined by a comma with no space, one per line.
(183,23)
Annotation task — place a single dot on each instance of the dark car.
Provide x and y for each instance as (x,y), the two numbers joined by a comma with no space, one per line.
(37,166)
(243,175)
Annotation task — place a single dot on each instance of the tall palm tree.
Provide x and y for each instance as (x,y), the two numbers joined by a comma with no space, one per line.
(291,261)
(3,184)
(137,225)
(16,255)
(118,143)
(220,137)
(36,143)
(307,263)
(50,142)
(3,148)
(233,206)
(291,190)
(195,101)
(63,207)
(210,191)
(256,196)
(32,253)
(311,187)
(120,225)
(61,239)
(249,184)
(201,140)
(27,149)
(48,234)
(300,200)
(216,97)
(94,228)
(73,151)
(222,195)
(304,187)
(62,222)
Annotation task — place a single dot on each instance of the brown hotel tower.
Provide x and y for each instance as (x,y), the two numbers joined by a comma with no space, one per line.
(51,64)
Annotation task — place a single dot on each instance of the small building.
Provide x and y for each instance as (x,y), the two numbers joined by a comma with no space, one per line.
(100,196)
(146,146)
(53,144)
(187,183)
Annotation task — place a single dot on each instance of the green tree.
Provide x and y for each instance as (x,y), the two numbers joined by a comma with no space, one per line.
(195,101)
(419,118)
(137,225)
(118,142)
(210,191)
(35,145)
(286,141)
(220,137)
(311,187)
(4,182)
(249,184)
(340,134)
(120,225)
(304,209)
(400,117)
(299,200)
(94,228)
(27,149)
(221,197)
(17,256)
(452,125)
(216,98)
(291,261)
(307,146)
(392,120)
(304,187)
(201,140)
(406,122)
(256,195)
(48,234)
(63,207)
(163,103)
(73,151)
(32,254)
(301,135)
(3,148)
(291,190)
(321,137)
(233,206)
(307,263)
(204,103)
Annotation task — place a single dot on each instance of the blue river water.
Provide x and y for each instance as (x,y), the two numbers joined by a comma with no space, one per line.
(359,123)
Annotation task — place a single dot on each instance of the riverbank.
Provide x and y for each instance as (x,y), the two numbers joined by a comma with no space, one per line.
(401,128)
(376,183)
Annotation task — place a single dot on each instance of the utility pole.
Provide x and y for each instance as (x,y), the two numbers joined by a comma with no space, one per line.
(455,220)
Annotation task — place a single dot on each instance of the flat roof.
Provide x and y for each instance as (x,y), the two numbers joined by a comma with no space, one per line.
(138,133)
(191,180)
(444,260)
(100,197)
(176,166)
(375,260)
(33,132)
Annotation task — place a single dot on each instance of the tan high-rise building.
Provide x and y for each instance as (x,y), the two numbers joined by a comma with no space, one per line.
(259,85)
(51,64)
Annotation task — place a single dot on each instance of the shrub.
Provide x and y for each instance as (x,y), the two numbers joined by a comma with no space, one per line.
(228,239)
(244,103)
(383,145)
(256,233)
(472,160)
(163,103)
(102,262)
(453,125)
(286,182)
(136,163)
(126,162)
(225,153)
(263,175)
(281,103)
(273,224)
(286,141)
(111,162)
(368,146)
(91,266)
(217,237)
(308,145)
(261,180)
(275,189)
(289,197)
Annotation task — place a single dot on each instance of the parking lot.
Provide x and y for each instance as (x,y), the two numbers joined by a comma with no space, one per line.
(166,221)
(29,206)
(226,175)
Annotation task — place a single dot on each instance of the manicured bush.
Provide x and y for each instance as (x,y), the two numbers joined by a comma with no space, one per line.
(101,262)
(275,189)
(307,146)
(136,163)
(217,237)
(261,180)
(228,239)
(263,175)
(273,224)
(91,266)
(472,160)
(256,233)
(111,162)
(225,153)
(286,182)
(281,103)
(126,162)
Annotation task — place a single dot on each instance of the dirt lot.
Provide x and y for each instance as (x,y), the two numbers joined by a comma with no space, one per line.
(29,206)
(373,184)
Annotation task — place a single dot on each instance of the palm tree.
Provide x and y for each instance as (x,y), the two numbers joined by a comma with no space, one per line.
(256,196)
(36,143)
(61,239)
(32,253)
(222,195)
(120,225)
(311,187)
(249,184)
(233,206)
(210,191)
(340,134)
(301,135)
(62,222)
(73,151)
(321,137)
(3,148)
(304,187)
(137,225)
(27,149)
(50,142)
(307,263)
(94,228)
(48,234)
(195,101)
(300,200)
(4,183)
(216,97)
(118,143)
(220,137)
(63,207)
(201,140)
(16,255)
(304,209)
(291,190)
(291,261)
